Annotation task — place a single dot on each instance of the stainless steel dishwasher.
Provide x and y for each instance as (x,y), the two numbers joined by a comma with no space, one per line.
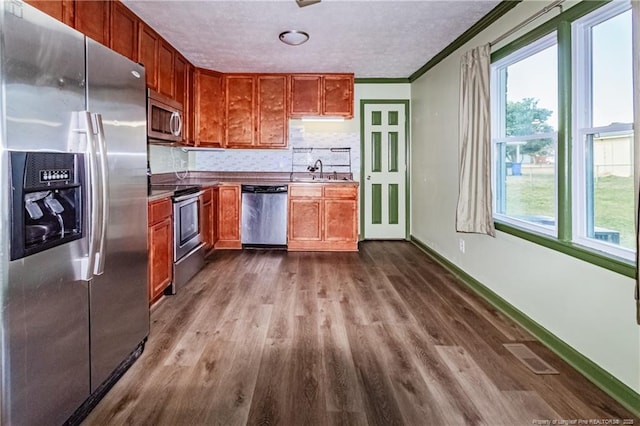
(264,216)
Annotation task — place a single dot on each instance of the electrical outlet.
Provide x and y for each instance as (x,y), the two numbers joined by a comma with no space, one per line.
(461,245)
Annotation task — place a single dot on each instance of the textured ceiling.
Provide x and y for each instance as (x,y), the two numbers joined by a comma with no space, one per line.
(372,38)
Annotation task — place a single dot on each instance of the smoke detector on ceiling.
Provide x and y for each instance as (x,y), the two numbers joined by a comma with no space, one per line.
(303,3)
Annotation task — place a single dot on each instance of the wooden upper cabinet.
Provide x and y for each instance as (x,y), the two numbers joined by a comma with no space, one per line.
(62,10)
(338,95)
(321,95)
(180,71)
(271,111)
(124,31)
(165,68)
(208,108)
(92,19)
(239,111)
(148,42)
(180,90)
(306,95)
(189,108)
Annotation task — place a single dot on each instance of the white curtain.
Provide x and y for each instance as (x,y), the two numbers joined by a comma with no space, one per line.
(636,137)
(474,212)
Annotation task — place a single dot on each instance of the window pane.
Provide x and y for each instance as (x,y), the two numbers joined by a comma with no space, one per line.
(526,182)
(532,94)
(609,189)
(612,71)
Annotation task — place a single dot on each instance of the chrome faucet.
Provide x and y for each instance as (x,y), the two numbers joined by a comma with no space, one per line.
(315,167)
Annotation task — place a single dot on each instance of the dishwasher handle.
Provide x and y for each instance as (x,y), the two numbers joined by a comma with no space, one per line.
(264,189)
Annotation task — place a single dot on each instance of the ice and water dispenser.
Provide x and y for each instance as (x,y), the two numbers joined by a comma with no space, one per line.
(47,200)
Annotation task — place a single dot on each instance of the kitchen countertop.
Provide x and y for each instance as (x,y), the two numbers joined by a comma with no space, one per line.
(159,194)
(208,179)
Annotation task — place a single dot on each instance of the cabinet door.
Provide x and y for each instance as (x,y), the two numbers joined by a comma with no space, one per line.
(148,53)
(180,80)
(165,68)
(214,216)
(160,258)
(92,19)
(206,218)
(206,224)
(338,95)
(340,220)
(209,113)
(305,95)
(305,219)
(124,31)
(229,217)
(239,113)
(180,90)
(189,107)
(271,111)
(62,10)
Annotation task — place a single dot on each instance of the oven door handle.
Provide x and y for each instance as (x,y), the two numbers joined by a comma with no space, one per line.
(187,196)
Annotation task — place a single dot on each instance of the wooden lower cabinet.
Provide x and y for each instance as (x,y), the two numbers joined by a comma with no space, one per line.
(229,214)
(209,216)
(323,217)
(160,247)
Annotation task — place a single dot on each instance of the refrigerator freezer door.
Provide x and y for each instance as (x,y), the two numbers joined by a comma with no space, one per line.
(44,75)
(119,302)
(45,340)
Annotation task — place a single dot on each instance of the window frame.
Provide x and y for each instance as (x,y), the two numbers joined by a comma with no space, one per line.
(498,128)
(563,240)
(582,124)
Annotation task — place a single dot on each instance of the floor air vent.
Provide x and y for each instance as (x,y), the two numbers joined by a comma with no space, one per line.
(530,359)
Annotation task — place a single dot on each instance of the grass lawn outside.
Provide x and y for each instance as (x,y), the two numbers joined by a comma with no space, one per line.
(533,194)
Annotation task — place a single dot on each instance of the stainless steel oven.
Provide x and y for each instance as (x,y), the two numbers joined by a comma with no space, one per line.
(188,248)
(186,230)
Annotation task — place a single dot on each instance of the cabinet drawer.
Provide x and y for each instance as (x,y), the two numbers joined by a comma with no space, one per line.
(341,191)
(313,190)
(159,210)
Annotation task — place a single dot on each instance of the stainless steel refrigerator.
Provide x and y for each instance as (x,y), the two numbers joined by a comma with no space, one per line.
(73,224)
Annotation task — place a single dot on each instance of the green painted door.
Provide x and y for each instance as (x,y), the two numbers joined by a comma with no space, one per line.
(384,199)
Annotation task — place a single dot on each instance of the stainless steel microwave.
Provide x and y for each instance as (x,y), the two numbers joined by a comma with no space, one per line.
(164,118)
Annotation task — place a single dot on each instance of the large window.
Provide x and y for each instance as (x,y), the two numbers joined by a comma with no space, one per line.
(603,215)
(568,179)
(525,122)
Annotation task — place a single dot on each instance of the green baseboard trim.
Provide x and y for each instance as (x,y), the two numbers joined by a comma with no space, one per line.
(594,373)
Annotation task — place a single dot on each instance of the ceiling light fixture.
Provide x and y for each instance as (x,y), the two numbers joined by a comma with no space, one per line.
(303,3)
(293,37)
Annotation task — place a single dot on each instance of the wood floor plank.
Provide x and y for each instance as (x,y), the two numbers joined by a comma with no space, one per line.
(271,401)
(339,370)
(383,336)
(231,400)
(478,386)
(381,407)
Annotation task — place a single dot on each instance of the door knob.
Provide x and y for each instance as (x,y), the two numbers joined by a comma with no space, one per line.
(369,177)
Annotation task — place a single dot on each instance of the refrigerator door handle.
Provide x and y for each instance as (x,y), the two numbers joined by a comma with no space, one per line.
(103,185)
(83,124)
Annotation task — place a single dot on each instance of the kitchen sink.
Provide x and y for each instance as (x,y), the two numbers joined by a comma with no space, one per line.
(314,179)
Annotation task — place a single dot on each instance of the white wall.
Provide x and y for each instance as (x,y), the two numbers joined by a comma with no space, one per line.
(590,308)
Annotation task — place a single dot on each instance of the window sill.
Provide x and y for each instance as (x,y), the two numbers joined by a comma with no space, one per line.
(595,257)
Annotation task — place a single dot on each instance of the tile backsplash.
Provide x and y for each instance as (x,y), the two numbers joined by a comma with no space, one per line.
(277,160)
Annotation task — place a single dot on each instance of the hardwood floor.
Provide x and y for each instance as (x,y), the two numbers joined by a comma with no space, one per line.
(384,336)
